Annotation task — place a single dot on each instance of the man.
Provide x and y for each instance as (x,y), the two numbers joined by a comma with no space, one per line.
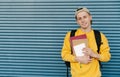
(90,61)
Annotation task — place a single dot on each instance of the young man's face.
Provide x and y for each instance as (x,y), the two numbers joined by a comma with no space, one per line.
(84,20)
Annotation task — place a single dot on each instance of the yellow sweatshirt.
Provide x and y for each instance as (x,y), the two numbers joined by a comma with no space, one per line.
(91,69)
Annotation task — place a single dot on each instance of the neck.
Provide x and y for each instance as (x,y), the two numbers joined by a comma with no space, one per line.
(86,30)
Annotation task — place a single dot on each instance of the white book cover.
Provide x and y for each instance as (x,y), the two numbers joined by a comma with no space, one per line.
(78,49)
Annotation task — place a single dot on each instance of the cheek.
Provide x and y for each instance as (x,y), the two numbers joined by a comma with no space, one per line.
(90,18)
(78,22)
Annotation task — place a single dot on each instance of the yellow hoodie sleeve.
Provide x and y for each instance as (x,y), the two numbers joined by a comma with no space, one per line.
(104,49)
(66,49)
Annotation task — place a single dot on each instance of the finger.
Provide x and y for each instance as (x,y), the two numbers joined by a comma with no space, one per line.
(83,49)
(86,53)
(89,60)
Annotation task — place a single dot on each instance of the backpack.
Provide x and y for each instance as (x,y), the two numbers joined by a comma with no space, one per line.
(98,42)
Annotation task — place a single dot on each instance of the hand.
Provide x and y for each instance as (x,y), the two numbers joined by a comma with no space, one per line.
(89,52)
(83,59)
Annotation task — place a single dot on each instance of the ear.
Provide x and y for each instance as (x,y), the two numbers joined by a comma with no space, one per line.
(90,17)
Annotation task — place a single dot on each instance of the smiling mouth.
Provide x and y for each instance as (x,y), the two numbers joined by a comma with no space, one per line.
(84,24)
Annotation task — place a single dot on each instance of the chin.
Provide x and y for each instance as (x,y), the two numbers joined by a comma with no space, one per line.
(84,27)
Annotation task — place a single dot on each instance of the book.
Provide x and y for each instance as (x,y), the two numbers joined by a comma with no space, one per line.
(78,43)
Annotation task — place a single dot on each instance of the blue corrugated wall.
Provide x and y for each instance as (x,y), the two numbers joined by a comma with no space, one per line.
(32,33)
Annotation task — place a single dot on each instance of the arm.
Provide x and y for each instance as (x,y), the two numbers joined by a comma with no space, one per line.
(104,50)
(104,54)
(66,50)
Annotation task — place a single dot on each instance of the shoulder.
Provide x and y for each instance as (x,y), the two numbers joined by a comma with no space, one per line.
(101,33)
(103,36)
(67,34)
(98,31)
(71,32)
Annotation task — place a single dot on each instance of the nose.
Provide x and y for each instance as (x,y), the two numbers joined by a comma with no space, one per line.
(82,20)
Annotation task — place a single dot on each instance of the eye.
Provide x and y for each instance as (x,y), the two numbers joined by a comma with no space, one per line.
(79,18)
(85,16)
